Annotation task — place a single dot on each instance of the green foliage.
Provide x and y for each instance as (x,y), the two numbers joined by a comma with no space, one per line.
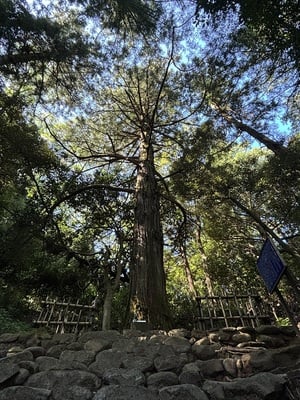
(9,324)
(273,23)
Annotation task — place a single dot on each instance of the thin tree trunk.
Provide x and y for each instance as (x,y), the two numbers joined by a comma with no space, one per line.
(188,272)
(111,287)
(208,280)
(107,305)
(148,281)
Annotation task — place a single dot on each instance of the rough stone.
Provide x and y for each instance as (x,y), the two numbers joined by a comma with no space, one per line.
(116,392)
(271,341)
(132,361)
(191,374)
(262,386)
(71,393)
(170,363)
(230,367)
(56,350)
(96,345)
(180,332)
(82,356)
(37,351)
(22,356)
(152,365)
(64,378)
(31,366)
(9,337)
(109,336)
(178,343)
(162,379)
(121,376)
(21,377)
(46,363)
(179,392)
(210,368)
(204,352)
(107,359)
(241,337)
(24,393)
(7,370)
(64,338)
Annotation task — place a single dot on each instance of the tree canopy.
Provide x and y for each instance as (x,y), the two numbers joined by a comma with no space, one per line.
(147,150)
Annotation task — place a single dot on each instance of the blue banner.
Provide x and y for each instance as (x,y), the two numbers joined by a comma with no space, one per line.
(270,265)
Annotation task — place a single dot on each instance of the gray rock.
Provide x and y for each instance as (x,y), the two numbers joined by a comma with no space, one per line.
(162,379)
(225,336)
(247,329)
(71,393)
(204,352)
(204,340)
(267,360)
(268,330)
(191,374)
(34,341)
(109,336)
(50,363)
(262,386)
(132,361)
(96,345)
(121,376)
(179,392)
(152,349)
(64,338)
(9,337)
(46,363)
(241,337)
(82,356)
(179,344)
(31,366)
(37,351)
(15,349)
(198,334)
(22,356)
(56,350)
(107,359)
(64,378)
(271,340)
(230,367)
(7,370)
(75,346)
(210,368)
(21,377)
(116,392)
(128,345)
(170,363)
(24,393)
(180,332)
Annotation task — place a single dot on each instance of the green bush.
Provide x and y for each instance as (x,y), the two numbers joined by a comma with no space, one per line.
(8,324)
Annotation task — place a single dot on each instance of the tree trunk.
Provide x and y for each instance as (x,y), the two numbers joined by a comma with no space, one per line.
(107,306)
(148,281)
(188,272)
(208,280)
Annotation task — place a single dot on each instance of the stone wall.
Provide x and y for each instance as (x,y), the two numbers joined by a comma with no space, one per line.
(231,363)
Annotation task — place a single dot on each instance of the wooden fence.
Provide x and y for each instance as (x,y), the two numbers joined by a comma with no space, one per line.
(232,310)
(65,316)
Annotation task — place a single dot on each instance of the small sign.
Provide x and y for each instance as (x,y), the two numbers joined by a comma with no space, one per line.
(270,265)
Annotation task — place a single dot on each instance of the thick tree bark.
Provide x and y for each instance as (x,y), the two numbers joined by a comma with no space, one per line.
(148,281)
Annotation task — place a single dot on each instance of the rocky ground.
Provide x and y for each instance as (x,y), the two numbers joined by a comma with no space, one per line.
(231,363)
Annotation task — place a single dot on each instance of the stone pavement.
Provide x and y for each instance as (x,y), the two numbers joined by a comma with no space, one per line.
(231,363)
